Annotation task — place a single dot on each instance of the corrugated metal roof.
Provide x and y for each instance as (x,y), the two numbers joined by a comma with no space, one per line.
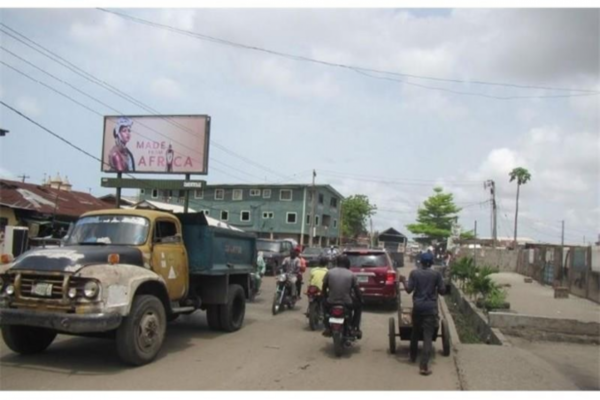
(43,199)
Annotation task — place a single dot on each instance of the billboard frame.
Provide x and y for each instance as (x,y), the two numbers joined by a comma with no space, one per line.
(206,144)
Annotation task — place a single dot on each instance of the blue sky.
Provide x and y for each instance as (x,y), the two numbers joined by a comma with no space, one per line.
(356,131)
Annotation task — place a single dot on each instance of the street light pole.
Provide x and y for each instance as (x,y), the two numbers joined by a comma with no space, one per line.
(312,212)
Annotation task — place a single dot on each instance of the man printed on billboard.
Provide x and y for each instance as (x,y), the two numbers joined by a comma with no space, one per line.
(120,157)
(170,155)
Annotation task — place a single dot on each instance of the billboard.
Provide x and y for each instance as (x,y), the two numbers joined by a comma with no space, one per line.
(167,144)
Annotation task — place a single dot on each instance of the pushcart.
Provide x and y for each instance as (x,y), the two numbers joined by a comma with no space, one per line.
(405,329)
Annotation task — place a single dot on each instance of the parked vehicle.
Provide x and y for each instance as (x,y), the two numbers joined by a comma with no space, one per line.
(124,274)
(376,275)
(274,252)
(315,307)
(283,295)
(343,335)
(312,255)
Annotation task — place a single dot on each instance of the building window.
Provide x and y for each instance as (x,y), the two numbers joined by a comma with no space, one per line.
(224,215)
(308,219)
(219,194)
(321,198)
(142,192)
(333,202)
(205,212)
(266,193)
(237,194)
(254,192)
(285,195)
(291,217)
(268,215)
(245,216)
(199,193)
(317,220)
(155,193)
(335,223)
(181,196)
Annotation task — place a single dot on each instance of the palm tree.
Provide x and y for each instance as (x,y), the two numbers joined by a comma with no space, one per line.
(522,176)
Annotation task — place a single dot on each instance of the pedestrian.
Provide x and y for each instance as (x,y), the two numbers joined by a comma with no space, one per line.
(426,284)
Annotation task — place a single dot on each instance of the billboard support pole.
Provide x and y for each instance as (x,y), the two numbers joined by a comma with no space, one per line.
(186,203)
(118,200)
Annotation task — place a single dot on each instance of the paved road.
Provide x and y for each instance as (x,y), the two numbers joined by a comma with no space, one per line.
(268,353)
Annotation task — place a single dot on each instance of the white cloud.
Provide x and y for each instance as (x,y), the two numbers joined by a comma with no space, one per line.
(29,106)
(165,87)
(7,174)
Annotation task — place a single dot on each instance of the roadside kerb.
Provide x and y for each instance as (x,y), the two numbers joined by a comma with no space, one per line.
(454,338)
(509,321)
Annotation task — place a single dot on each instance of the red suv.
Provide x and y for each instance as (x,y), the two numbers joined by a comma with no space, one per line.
(376,275)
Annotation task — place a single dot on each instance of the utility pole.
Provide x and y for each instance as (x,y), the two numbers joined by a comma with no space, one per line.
(312,212)
(492,185)
(23,177)
(371,223)
(475,244)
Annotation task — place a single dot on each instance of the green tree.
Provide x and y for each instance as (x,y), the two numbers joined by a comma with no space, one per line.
(435,217)
(355,212)
(468,235)
(522,176)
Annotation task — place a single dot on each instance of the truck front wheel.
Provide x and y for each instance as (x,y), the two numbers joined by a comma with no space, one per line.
(27,339)
(232,313)
(141,334)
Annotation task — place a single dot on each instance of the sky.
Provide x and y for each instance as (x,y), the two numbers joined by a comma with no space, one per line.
(467,95)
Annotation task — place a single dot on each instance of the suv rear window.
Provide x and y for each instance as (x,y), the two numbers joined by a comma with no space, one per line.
(372,260)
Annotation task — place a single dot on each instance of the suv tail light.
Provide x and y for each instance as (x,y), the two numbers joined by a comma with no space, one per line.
(337,312)
(390,278)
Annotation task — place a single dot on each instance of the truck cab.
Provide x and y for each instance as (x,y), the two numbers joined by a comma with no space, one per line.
(124,273)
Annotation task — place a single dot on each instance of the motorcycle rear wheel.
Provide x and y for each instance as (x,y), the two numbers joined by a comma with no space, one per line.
(313,316)
(338,344)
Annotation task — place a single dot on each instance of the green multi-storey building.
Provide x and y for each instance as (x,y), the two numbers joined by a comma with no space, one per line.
(270,211)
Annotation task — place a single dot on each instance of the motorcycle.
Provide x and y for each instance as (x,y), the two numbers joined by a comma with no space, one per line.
(315,307)
(283,295)
(343,334)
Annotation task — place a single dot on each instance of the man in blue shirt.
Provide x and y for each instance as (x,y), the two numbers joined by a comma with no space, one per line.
(426,284)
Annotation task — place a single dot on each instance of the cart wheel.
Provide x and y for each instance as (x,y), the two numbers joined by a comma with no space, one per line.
(392,335)
(445,339)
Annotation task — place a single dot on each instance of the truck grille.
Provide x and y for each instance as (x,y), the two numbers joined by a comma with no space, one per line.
(28,281)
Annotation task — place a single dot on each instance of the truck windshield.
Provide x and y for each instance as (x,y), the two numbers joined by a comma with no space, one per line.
(273,247)
(110,229)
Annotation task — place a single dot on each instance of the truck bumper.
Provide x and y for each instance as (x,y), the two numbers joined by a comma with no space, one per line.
(68,323)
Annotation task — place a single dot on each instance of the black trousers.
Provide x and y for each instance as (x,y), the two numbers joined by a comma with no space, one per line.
(427,325)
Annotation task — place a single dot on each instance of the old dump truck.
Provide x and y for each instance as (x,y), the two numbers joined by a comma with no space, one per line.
(123,274)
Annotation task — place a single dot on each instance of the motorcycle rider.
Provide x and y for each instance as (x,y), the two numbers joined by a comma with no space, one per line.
(291,266)
(340,287)
(426,283)
(317,274)
(302,270)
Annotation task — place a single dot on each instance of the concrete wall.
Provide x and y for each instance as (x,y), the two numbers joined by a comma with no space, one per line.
(511,321)
(503,259)
(594,286)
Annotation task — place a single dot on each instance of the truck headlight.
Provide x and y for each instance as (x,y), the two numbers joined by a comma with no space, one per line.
(90,290)
(10,290)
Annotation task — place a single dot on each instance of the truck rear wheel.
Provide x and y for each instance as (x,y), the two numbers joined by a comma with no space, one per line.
(141,334)
(27,339)
(213,317)
(232,313)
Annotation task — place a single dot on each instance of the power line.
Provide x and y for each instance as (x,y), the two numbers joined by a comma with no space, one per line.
(470,181)
(358,69)
(99,114)
(387,181)
(67,64)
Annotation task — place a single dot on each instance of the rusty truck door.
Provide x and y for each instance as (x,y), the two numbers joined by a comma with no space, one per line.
(169,258)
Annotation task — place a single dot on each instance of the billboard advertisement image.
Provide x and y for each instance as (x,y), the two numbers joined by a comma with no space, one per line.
(168,144)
